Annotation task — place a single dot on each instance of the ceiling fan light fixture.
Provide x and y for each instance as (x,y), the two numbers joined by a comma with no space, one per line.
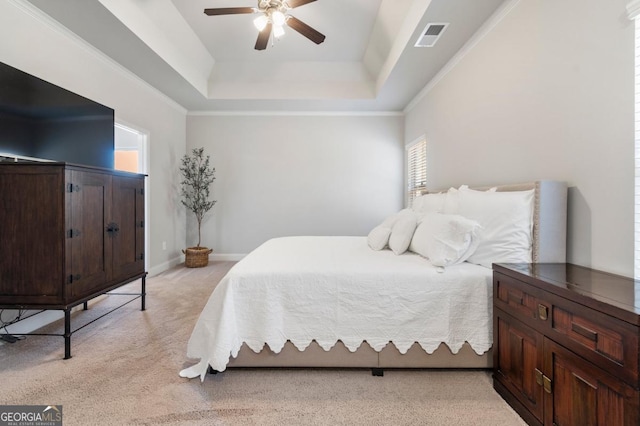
(278,31)
(261,22)
(278,18)
(273,15)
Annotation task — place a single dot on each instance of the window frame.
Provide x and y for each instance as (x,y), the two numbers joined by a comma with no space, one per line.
(415,180)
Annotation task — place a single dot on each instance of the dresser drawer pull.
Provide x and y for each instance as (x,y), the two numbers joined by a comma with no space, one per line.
(542,312)
(584,332)
(513,298)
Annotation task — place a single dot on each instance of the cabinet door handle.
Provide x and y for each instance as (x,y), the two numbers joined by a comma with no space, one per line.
(112,228)
(539,377)
(547,384)
(543,381)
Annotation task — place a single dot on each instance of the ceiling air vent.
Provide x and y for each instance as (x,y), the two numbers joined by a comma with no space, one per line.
(431,34)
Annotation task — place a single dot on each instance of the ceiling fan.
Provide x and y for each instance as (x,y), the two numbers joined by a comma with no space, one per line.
(273,16)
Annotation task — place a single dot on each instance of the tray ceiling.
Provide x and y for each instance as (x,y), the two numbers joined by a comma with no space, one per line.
(368,61)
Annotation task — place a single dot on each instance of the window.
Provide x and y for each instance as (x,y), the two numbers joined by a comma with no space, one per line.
(416,170)
(130,146)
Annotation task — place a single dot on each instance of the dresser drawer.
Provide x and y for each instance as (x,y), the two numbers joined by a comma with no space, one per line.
(608,342)
(518,299)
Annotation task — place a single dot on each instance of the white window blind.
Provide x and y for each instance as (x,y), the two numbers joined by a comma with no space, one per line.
(416,170)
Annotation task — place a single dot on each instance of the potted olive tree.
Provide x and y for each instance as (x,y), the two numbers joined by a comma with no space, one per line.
(197,176)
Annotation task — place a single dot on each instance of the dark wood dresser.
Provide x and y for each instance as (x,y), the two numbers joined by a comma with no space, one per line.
(566,344)
(68,233)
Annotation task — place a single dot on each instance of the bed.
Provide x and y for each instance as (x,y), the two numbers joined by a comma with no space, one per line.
(335,302)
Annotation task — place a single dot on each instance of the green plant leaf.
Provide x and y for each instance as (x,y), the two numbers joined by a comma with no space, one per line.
(197,176)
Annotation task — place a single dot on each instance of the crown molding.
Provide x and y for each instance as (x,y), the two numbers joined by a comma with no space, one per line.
(297,113)
(47,20)
(633,9)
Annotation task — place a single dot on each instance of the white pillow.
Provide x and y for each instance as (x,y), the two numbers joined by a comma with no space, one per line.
(402,231)
(429,203)
(506,219)
(378,238)
(445,239)
(452,200)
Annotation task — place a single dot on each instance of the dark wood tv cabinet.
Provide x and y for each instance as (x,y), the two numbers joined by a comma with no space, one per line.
(566,344)
(68,233)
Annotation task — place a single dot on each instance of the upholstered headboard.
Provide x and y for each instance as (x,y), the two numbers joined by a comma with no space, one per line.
(549,218)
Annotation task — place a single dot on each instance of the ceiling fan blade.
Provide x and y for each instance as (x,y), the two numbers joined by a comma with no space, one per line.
(305,30)
(263,37)
(229,11)
(295,3)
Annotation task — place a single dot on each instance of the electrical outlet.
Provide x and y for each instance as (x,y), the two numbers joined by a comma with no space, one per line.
(164,245)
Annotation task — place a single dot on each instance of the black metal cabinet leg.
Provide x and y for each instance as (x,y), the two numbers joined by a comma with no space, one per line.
(67,333)
(85,306)
(144,292)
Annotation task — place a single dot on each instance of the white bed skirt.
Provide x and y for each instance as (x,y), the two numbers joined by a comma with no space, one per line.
(365,357)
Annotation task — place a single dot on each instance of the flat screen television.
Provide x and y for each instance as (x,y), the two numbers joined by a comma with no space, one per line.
(41,120)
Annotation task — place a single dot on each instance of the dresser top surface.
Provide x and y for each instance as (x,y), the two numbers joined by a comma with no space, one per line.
(567,279)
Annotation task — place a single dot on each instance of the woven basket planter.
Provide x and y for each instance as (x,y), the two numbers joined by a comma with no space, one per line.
(196,257)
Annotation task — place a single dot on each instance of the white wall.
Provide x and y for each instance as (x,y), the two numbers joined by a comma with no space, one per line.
(35,45)
(279,175)
(547,94)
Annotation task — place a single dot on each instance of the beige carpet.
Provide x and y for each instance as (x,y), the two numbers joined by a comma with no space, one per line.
(125,368)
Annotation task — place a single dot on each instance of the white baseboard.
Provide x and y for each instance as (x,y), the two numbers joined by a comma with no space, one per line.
(220,257)
(158,269)
(226,257)
(33,323)
(30,325)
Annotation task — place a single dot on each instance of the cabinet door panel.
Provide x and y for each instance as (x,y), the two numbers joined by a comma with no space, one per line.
(585,395)
(519,355)
(31,235)
(128,214)
(89,201)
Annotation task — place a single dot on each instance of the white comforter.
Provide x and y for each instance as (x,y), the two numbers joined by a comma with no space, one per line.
(336,288)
